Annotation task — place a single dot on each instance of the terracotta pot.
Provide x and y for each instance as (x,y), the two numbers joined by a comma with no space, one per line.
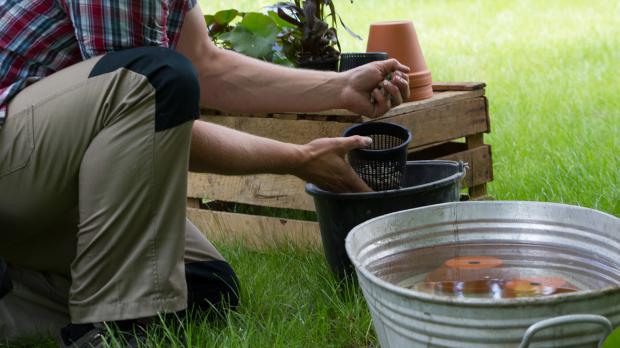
(400,41)
(419,93)
(420,80)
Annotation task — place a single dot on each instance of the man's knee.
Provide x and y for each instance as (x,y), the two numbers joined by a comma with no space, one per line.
(211,285)
(177,91)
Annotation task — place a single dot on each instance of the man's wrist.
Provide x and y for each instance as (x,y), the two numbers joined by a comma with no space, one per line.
(341,83)
(299,157)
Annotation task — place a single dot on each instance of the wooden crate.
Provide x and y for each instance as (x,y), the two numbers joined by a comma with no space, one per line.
(450,125)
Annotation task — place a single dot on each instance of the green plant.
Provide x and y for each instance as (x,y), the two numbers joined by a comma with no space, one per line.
(293,33)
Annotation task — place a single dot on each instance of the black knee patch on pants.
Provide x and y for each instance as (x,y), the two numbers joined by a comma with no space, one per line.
(177,92)
(211,285)
(5,281)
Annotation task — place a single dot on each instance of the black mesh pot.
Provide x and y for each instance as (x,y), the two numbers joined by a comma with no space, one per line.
(323,64)
(382,165)
(353,60)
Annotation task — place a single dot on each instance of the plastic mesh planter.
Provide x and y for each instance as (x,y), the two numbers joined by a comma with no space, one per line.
(382,165)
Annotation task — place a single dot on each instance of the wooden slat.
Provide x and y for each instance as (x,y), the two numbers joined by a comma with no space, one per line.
(337,115)
(255,231)
(475,140)
(457,86)
(279,191)
(438,99)
(291,131)
(439,124)
(193,202)
(446,122)
(480,166)
(479,160)
(479,193)
(284,191)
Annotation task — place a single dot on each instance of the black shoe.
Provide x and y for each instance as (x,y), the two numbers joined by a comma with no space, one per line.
(100,335)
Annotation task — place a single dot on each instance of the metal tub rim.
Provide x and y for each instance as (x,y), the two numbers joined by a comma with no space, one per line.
(478,302)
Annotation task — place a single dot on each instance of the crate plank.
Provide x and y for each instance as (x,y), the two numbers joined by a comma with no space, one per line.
(290,131)
(457,86)
(447,122)
(286,191)
(278,191)
(448,94)
(429,126)
(258,232)
(479,160)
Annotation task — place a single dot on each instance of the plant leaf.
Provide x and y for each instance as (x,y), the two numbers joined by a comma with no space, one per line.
(260,24)
(224,17)
(280,58)
(254,36)
(209,19)
(281,22)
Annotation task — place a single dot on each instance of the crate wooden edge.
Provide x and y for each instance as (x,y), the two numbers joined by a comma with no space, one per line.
(258,232)
(443,123)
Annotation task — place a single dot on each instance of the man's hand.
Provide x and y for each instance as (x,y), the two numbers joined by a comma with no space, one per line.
(371,79)
(325,166)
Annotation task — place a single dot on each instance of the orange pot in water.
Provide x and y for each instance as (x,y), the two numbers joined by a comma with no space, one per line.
(400,41)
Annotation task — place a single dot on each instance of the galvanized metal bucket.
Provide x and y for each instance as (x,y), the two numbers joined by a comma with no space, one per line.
(407,318)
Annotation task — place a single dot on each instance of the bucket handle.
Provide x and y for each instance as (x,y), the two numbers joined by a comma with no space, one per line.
(566,319)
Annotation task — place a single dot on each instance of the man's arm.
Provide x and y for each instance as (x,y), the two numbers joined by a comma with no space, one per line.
(233,82)
(221,150)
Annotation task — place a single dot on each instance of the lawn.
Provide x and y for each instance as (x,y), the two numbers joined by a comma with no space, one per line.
(553,84)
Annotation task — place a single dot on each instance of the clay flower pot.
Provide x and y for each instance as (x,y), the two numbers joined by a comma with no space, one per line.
(400,41)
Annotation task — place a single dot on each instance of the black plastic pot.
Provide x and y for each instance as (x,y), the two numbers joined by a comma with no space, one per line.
(426,183)
(324,64)
(353,60)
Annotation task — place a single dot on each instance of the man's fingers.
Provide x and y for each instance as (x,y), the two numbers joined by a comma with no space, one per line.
(403,86)
(354,142)
(394,65)
(402,75)
(380,103)
(394,92)
(357,184)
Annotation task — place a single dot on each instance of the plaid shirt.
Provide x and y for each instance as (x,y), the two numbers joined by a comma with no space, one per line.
(40,37)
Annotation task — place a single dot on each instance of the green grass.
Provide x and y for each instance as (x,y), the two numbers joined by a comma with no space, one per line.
(553,83)
(289,299)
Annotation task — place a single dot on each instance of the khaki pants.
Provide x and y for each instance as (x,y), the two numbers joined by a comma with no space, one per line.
(92,197)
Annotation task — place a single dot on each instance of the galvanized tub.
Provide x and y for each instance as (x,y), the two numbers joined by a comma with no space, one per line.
(408,318)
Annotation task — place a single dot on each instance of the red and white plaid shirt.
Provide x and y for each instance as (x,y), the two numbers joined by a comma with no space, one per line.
(40,37)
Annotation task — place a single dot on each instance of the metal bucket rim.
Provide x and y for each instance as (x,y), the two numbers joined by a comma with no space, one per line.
(477,302)
(315,191)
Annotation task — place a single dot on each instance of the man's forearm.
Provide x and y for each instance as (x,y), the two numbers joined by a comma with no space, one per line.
(260,87)
(221,150)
